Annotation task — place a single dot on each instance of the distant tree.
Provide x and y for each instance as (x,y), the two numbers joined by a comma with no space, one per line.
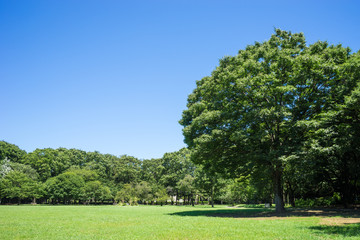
(176,166)
(86,174)
(5,167)
(94,191)
(125,169)
(208,181)
(127,194)
(26,169)
(11,152)
(186,188)
(95,161)
(161,195)
(144,192)
(151,170)
(45,162)
(66,187)
(19,186)
(106,194)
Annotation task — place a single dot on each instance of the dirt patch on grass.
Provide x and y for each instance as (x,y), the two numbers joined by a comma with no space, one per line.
(338,221)
(327,217)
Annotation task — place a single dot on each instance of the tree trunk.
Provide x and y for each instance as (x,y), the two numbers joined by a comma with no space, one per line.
(278,192)
(177,198)
(292,198)
(345,191)
(212,196)
(345,195)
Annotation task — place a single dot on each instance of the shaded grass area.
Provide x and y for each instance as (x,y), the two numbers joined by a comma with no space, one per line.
(346,230)
(245,212)
(167,222)
(226,212)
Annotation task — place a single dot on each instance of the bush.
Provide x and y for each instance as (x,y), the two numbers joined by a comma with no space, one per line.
(319,202)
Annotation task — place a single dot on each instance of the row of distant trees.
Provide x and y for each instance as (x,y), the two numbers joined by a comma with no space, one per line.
(72,176)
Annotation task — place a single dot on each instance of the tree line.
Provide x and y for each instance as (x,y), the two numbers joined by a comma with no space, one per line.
(72,176)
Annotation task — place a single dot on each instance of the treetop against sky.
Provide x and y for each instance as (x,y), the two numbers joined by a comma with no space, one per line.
(114,76)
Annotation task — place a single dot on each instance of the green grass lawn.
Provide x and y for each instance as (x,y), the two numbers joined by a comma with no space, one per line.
(167,222)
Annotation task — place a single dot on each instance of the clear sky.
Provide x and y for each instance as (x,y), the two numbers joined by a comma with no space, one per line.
(114,76)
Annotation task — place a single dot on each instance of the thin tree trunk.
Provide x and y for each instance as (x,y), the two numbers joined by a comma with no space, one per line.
(292,197)
(212,196)
(345,182)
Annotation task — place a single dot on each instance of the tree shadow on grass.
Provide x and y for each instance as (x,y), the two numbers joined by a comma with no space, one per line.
(346,230)
(343,222)
(225,213)
(270,213)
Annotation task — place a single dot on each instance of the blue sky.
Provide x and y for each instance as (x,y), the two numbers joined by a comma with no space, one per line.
(114,76)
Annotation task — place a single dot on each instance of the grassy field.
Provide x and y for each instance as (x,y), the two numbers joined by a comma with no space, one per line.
(172,222)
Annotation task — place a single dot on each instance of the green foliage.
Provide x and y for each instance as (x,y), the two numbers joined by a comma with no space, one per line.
(11,152)
(5,167)
(86,174)
(161,195)
(94,191)
(152,170)
(186,185)
(144,192)
(26,169)
(252,114)
(319,202)
(66,187)
(126,195)
(125,169)
(17,185)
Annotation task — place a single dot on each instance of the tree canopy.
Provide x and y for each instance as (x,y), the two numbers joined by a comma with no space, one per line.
(255,110)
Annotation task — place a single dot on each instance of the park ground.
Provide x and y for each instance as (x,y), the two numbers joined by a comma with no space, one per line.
(175,222)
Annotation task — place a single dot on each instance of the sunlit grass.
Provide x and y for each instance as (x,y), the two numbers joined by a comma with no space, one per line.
(155,222)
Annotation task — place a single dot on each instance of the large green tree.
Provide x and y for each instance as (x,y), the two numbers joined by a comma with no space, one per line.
(246,115)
